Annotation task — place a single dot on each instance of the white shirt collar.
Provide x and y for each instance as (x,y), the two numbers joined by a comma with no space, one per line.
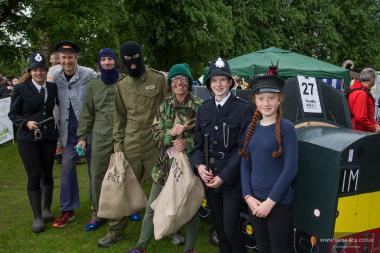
(38,86)
(224,100)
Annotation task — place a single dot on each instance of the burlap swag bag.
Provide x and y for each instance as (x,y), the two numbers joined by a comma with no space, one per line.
(121,194)
(179,199)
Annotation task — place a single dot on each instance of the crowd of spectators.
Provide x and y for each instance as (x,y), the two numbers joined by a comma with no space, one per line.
(6,85)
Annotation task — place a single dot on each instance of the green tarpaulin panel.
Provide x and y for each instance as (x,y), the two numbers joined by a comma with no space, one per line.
(290,64)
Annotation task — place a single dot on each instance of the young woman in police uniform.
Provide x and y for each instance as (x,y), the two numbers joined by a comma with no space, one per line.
(31,111)
(221,122)
(269,166)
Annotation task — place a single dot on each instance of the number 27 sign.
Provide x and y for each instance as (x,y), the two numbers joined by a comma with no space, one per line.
(309,94)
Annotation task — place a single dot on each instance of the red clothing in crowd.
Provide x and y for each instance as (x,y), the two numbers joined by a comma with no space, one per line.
(362,108)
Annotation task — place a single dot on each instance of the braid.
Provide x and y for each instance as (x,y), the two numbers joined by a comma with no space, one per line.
(278,153)
(251,127)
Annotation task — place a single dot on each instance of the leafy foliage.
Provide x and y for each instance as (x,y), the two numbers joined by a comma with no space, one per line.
(191,31)
(181,31)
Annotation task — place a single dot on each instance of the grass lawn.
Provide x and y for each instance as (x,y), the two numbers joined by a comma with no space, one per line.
(16,217)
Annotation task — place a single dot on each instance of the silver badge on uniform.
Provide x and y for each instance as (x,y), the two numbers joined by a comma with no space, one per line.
(38,57)
(219,63)
(150,87)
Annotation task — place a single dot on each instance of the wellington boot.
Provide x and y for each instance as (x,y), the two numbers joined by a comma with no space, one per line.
(35,203)
(47,196)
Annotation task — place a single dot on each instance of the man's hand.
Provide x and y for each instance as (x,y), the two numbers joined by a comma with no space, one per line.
(205,175)
(31,125)
(377,129)
(179,144)
(215,182)
(265,208)
(82,144)
(178,129)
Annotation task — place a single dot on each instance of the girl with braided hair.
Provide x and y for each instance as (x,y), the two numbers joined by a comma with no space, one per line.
(269,166)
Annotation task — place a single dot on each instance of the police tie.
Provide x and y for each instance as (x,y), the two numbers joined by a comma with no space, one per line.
(42,92)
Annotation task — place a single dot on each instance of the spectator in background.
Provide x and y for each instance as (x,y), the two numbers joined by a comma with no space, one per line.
(54,59)
(14,80)
(72,80)
(362,103)
(5,87)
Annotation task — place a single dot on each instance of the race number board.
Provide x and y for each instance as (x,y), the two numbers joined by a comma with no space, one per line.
(309,94)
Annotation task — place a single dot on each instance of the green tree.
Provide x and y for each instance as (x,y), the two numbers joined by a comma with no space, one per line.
(13,37)
(180,31)
(191,31)
(308,27)
(93,25)
(40,24)
(358,23)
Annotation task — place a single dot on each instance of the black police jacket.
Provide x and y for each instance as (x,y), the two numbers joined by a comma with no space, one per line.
(226,129)
(27,104)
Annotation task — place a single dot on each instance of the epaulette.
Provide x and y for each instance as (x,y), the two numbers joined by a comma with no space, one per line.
(122,76)
(168,97)
(208,100)
(158,71)
(198,99)
(243,100)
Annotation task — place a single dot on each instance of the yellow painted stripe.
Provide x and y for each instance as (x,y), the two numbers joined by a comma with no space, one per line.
(358,213)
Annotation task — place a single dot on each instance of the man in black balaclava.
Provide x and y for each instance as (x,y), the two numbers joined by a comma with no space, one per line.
(133,58)
(137,97)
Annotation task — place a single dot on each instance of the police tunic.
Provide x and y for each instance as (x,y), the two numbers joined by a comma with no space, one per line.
(225,127)
(29,105)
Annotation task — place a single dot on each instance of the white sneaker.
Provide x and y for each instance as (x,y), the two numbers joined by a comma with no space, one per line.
(177,238)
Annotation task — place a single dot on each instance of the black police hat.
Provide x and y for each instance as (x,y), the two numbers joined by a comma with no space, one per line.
(266,83)
(219,67)
(36,60)
(66,46)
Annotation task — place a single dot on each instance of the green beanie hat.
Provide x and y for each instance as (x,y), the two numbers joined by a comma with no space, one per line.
(180,69)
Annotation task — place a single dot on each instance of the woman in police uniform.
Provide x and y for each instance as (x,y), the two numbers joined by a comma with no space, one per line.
(31,111)
(221,122)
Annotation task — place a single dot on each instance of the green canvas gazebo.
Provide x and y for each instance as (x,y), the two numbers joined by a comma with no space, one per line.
(290,64)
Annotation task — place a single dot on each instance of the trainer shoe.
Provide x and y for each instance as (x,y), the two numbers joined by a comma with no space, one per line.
(177,239)
(108,240)
(94,224)
(63,219)
(136,217)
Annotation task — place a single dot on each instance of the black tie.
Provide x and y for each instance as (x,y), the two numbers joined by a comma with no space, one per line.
(219,107)
(42,92)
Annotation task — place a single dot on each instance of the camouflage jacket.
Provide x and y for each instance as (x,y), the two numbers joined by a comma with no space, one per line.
(170,113)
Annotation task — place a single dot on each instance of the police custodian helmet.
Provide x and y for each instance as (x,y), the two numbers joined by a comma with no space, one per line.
(219,67)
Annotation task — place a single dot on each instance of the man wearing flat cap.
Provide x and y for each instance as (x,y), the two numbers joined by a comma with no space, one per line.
(137,98)
(71,80)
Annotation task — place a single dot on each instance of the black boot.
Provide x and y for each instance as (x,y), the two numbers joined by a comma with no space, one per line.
(35,202)
(47,196)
